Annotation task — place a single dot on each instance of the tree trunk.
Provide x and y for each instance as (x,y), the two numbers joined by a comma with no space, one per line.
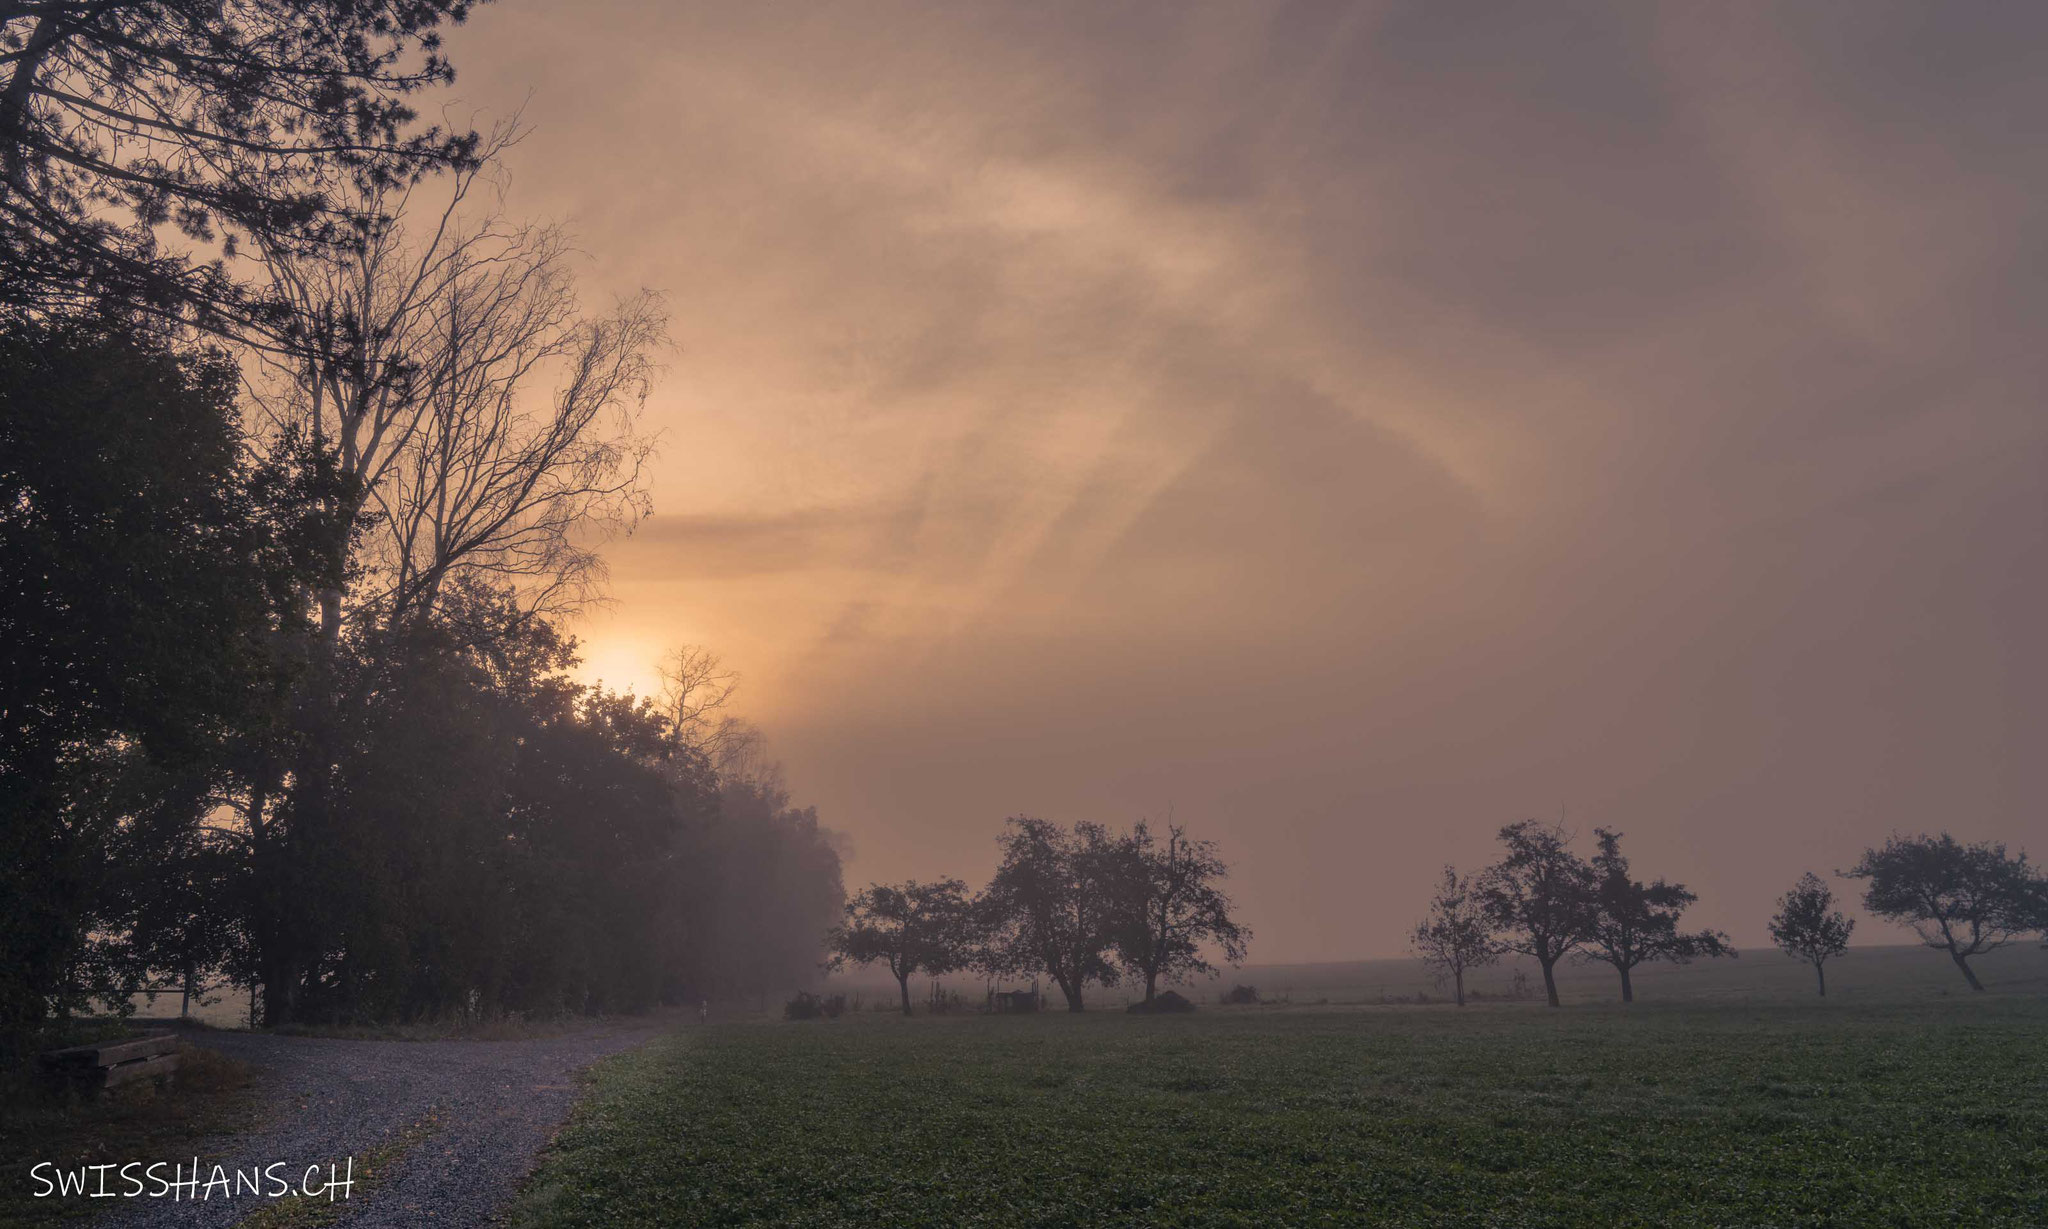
(14,103)
(1549,981)
(1628,990)
(1458,985)
(278,982)
(1822,975)
(1073,992)
(330,618)
(1151,983)
(903,984)
(1963,963)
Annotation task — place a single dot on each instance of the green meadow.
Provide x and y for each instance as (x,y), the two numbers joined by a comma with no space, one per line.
(1896,1102)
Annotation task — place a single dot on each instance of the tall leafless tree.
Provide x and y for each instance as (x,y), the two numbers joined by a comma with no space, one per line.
(419,362)
(697,690)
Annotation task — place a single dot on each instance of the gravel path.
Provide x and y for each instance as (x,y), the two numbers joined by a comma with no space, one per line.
(475,1114)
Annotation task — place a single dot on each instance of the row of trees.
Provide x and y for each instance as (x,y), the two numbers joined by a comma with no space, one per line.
(289,521)
(205,778)
(1543,901)
(1075,905)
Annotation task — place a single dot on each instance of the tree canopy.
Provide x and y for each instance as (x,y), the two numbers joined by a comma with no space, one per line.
(147,563)
(1455,935)
(121,119)
(1634,923)
(1052,903)
(910,928)
(1171,909)
(1808,927)
(1540,897)
(1962,899)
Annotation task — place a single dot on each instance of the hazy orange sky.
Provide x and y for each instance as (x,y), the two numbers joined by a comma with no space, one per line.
(1353,426)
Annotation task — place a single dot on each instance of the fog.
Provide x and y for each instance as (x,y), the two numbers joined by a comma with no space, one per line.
(1353,428)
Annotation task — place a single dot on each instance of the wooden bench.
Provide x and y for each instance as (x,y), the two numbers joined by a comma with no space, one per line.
(93,1067)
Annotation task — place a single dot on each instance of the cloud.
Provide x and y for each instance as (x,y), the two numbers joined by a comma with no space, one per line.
(1361,425)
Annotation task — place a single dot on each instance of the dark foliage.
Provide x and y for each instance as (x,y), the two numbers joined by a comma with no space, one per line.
(1962,899)
(500,841)
(1052,906)
(1635,923)
(145,561)
(1167,1002)
(808,1006)
(429,822)
(1170,907)
(1809,928)
(252,118)
(1540,897)
(909,928)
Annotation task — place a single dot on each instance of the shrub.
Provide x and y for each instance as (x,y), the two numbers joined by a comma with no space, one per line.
(1161,1004)
(805,1006)
(1243,994)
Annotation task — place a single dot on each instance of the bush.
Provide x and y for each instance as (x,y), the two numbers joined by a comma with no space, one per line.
(833,1007)
(1161,1004)
(806,1006)
(1243,994)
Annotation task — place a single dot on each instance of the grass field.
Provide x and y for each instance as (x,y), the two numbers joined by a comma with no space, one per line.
(1928,1110)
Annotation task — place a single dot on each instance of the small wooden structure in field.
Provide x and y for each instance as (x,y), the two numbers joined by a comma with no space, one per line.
(1015,1000)
(108,1064)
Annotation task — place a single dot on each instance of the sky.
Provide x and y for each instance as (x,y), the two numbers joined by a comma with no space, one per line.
(1348,428)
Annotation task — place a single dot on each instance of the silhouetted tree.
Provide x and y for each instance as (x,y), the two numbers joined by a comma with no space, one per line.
(422,360)
(696,692)
(380,818)
(910,928)
(1540,897)
(1169,906)
(144,568)
(1456,935)
(1807,926)
(467,494)
(1052,903)
(1635,922)
(122,118)
(1962,899)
